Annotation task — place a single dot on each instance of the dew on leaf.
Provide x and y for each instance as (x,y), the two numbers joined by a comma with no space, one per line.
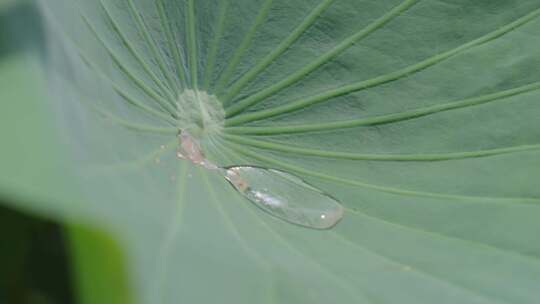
(278,193)
(285,196)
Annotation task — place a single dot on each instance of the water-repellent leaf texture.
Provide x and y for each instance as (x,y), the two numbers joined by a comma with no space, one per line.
(420,117)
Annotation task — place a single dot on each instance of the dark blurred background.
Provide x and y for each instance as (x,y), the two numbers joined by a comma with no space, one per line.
(34,263)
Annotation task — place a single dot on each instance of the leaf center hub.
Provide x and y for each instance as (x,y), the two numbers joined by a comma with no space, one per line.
(199,113)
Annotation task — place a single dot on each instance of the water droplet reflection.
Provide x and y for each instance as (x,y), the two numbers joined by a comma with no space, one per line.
(281,194)
(286,196)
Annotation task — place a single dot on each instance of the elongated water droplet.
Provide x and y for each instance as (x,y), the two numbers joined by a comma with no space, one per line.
(285,196)
(278,193)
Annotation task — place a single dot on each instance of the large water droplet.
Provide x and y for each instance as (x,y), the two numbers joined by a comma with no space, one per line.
(285,196)
(276,192)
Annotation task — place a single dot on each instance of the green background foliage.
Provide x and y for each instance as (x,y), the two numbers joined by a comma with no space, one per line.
(420,117)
